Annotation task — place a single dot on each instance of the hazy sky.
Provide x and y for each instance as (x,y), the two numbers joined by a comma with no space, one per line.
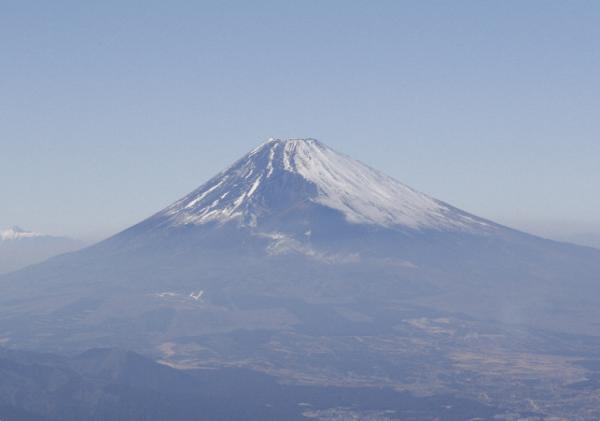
(111,110)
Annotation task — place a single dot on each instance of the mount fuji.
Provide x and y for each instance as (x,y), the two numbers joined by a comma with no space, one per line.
(300,196)
(302,262)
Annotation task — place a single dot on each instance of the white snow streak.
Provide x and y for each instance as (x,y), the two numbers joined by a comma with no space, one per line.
(203,195)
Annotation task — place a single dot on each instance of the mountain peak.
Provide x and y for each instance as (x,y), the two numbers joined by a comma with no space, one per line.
(281,174)
(288,147)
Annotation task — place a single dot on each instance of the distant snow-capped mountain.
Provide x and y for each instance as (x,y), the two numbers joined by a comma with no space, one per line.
(20,247)
(16,233)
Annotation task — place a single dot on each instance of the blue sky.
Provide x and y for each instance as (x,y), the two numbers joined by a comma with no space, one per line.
(111,110)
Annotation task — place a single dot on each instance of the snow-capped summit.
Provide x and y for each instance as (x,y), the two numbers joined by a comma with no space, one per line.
(15,233)
(282,174)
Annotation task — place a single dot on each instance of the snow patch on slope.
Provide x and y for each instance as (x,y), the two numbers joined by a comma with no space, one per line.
(282,244)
